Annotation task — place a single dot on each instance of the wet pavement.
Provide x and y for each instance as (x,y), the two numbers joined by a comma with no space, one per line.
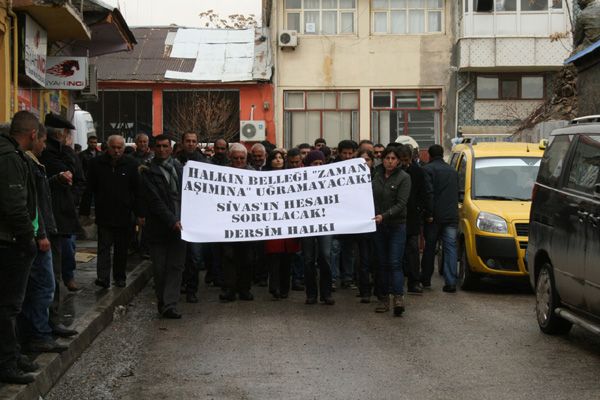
(88,311)
(469,345)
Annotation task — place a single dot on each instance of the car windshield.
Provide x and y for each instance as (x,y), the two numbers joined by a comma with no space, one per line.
(507,178)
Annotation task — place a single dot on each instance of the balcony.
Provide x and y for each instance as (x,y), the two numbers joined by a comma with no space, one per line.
(509,38)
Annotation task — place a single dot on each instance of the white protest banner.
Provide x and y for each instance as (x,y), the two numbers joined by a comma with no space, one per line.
(223,204)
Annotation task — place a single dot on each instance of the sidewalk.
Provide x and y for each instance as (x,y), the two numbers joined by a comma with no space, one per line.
(88,311)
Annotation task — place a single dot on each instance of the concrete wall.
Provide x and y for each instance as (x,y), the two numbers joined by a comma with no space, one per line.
(588,87)
(363,61)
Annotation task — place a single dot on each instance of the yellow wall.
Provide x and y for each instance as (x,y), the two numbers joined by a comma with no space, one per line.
(362,61)
(5,61)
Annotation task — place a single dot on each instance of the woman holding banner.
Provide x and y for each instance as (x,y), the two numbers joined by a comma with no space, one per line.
(279,252)
(391,188)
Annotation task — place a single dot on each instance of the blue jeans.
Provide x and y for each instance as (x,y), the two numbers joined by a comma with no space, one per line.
(317,254)
(297,269)
(389,244)
(447,234)
(334,259)
(34,317)
(68,258)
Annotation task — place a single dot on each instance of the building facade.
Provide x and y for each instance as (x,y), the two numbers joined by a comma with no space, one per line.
(363,69)
(45,47)
(508,52)
(184,79)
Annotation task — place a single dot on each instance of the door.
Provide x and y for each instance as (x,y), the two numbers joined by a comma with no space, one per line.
(585,172)
(579,268)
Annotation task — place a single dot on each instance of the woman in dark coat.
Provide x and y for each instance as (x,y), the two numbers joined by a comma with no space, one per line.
(391,188)
(279,252)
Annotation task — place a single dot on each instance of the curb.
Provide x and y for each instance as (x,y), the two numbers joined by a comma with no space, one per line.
(89,325)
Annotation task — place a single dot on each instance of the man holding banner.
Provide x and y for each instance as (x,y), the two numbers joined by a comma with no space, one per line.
(161,182)
(237,205)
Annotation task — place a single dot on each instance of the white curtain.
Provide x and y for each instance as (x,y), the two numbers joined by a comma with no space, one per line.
(347,22)
(434,21)
(416,21)
(380,22)
(311,22)
(329,23)
(398,22)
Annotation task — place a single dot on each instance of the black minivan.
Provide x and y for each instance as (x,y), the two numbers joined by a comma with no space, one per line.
(563,255)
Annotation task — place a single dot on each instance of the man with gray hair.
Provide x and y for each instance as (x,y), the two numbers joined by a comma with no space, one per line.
(237,275)
(259,156)
(113,180)
(142,153)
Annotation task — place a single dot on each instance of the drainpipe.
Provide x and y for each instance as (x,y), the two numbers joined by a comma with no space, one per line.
(458,92)
(15,102)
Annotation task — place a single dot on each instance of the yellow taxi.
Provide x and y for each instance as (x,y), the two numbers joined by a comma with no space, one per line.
(495,185)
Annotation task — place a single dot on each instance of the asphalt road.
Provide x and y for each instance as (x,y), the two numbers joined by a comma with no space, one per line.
(468,345)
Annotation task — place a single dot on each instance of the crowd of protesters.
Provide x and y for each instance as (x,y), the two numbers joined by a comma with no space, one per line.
(47,190)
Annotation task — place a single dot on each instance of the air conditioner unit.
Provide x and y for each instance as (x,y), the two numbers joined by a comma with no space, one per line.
(288,39)
(252,131)
(90,92)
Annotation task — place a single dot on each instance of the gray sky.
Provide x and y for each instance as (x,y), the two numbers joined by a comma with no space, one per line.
(180,12)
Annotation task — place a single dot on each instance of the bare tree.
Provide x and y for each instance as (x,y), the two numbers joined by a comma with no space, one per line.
(210,113)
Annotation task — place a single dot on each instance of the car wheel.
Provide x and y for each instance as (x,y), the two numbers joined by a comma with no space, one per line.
(467,279)
(546,301)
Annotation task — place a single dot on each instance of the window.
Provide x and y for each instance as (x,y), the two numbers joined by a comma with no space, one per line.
(557,4)
(510,87)
(504,178)
(310,115)
(585,168)
(121,112)
(534,5)
(407,16)
(406,112)
(321,17)
(483,5)
(552,162)
(506,5)
(462,176)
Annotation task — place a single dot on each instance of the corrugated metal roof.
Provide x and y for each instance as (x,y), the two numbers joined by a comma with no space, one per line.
(200,55)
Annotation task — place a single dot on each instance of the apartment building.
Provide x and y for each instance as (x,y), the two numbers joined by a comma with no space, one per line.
(363,69)
(508,52)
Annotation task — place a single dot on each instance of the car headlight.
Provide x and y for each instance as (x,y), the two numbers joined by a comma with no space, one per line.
(493,223)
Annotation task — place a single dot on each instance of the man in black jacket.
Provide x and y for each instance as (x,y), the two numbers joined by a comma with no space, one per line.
(161,183)
(193,258)
(65,181)
(18,225)
(418,209)
(89,153)
(113,181)
(442,182)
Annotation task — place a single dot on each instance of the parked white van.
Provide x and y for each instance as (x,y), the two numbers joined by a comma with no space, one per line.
(84,127)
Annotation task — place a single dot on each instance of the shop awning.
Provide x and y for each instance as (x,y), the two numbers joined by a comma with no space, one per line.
(62,22)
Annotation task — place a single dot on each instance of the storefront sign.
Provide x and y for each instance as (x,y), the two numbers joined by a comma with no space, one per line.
(36,43)
(222,204)
(68,73)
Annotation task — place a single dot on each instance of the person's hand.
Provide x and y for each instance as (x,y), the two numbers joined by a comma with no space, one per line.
(378,218)
(177,226)
(43,245)
(66,177)
(141,221)
(429,220)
